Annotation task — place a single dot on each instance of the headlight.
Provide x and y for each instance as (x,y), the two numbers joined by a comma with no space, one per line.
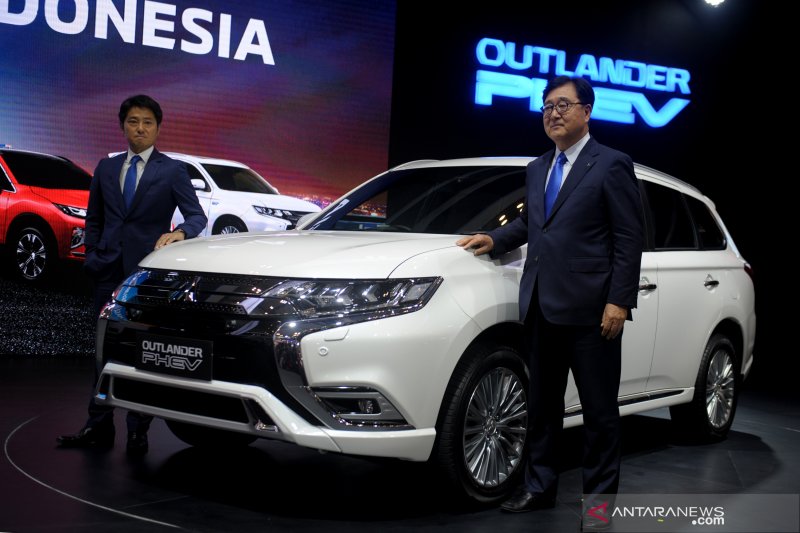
(72,211)
(271,212)
(317,299)
(291,299)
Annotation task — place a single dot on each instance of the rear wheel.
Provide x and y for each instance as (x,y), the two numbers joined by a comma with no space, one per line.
(34,254)
(206,437)
(710,414)
(483,423)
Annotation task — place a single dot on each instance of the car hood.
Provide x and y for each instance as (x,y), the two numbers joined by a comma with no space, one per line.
(274,201)
(71,197)
(298,254)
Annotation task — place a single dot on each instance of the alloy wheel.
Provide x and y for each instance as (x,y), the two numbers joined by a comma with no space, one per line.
(495,427)
(31,255)
(720,383)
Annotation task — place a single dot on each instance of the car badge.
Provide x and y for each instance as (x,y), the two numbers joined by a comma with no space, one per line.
(186,292)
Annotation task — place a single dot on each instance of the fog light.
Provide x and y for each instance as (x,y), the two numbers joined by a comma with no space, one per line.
(361,406)
(367,406)
(77,238)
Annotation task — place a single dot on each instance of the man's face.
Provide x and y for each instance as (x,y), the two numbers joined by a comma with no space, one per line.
(141,129)
(567,128)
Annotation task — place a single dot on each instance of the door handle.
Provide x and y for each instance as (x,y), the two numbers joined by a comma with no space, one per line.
(646,286)
(710,283)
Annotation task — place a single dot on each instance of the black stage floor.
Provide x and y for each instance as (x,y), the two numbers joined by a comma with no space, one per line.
(279,487)
(45,378)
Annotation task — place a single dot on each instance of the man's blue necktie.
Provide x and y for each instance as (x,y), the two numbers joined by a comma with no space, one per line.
(554,184)
(129,187)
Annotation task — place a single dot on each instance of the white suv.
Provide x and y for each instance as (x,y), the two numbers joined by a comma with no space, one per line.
(368,331)
(236,198)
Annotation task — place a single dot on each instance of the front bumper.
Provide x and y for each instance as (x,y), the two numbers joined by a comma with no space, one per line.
(248,409)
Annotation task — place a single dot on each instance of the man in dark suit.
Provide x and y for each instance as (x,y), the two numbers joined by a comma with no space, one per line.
(131,202)
(582,223)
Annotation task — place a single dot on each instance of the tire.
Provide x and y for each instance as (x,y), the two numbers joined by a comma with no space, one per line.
(206,437)
(33,255)
(710,414)
(228,224)
(481,444)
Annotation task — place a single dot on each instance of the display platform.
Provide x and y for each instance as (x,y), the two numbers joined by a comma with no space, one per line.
(272,486)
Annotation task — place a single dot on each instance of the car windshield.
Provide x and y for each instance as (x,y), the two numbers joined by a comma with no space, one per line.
(238,179)
(442,200)
(48,172)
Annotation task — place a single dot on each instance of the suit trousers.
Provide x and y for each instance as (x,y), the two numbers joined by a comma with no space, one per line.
(100,415)
(554,350)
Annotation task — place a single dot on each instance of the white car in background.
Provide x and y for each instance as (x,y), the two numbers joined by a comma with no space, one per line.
(236,198)
(368,331)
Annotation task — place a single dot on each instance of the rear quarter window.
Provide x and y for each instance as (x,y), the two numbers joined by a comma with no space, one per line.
(709,234)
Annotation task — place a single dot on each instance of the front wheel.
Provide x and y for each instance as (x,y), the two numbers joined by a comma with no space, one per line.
(709,415)
(34,255)
(206,437)
(483,424)
(228,224)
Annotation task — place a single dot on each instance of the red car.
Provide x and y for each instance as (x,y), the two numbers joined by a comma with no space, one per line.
(43,201)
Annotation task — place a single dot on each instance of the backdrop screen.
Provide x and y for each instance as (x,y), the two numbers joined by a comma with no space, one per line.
(300,91)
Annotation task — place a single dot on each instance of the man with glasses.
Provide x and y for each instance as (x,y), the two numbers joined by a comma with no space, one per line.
(582,222)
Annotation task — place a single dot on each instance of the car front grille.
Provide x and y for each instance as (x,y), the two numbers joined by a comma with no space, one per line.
(201,307)
(294,216)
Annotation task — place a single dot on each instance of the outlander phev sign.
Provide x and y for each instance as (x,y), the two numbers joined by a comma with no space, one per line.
(667,85)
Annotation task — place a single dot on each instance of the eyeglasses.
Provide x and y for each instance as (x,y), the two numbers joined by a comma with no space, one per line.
(562,107)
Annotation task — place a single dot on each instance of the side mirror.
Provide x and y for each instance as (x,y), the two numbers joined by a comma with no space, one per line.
(198,184)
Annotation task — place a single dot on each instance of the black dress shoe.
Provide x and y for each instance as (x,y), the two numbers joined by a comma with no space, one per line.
(137,444)
(594,523)
(523,501)
(88,437)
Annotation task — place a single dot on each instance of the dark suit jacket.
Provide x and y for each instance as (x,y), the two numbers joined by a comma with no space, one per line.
(588,252)
(114,233)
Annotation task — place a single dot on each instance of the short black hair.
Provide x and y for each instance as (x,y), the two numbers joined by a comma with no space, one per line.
(140,100)
(582,87)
